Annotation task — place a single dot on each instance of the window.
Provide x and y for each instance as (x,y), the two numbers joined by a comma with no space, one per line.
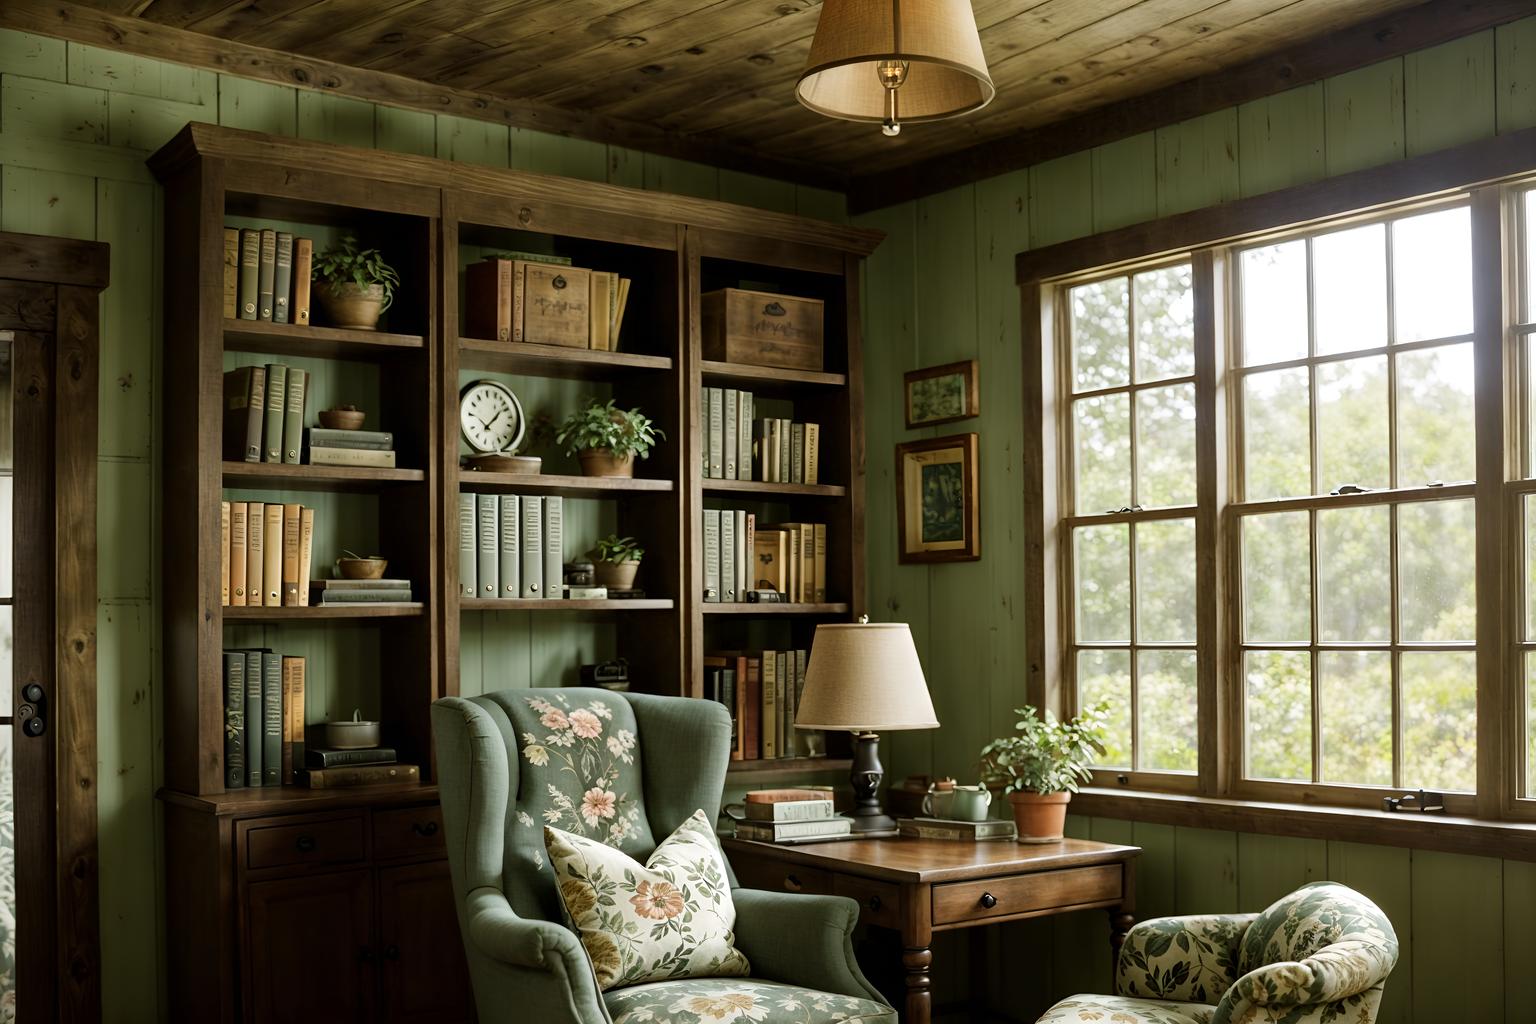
(1524,491)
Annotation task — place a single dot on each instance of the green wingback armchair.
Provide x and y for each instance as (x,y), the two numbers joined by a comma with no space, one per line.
(1321,954)
(627,769)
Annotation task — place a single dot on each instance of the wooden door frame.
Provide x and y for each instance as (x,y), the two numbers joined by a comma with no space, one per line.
(49,296)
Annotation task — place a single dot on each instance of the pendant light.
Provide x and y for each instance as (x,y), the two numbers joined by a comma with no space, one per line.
(895,60)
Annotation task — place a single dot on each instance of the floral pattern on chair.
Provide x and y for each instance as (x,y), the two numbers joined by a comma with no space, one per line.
(721,1000)
(1123,1010)
(1182,958)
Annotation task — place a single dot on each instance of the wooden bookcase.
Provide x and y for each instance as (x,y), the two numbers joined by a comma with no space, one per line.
(433,217)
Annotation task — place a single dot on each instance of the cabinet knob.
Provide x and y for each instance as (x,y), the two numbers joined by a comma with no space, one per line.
(874,903)
(391,952)
(305,844)
(792,883)
(426,829)
(988,900)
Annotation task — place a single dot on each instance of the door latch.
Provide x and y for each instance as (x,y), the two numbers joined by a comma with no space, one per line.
(33,713)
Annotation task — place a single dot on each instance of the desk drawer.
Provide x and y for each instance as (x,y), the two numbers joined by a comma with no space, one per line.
(1020,894)
(326,841)
(776,876)
(408,832)
(879,902)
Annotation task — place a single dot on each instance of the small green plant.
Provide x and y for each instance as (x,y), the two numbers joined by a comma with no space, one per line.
(616,549)
(604,425)
(1047,755)
(345,263)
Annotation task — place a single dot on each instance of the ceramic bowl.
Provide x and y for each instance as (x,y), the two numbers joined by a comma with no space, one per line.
(342,419)
(352,735)
(361,568)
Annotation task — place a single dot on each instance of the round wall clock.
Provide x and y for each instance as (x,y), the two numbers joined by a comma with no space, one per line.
(490,417)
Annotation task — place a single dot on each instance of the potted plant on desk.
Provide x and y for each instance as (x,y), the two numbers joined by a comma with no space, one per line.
(607,439)
(1041,767)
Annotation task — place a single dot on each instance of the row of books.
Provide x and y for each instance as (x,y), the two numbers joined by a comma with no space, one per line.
(263,718)
(264,414)
(544,300)
(791,816)
(761,690)
(266,554)
(350,592)
(369,766)
(267,275)
(745,561)
(769,449)
(510,546)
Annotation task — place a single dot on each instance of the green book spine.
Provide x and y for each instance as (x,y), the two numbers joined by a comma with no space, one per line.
(234,720)
(266,273)
(293,417)
(282,278)
(277,398)
(271,719)
(250,262)
(252,718)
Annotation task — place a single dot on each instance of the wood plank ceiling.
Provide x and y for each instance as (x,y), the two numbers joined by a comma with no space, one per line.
(724,70)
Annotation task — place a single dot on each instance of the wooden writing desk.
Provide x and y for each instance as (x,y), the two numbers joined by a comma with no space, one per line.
(920,886)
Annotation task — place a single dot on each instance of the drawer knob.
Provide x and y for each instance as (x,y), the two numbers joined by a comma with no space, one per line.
(425,829)
(792,883)
(305,844)
(391,952)
(988,900)
(873,903)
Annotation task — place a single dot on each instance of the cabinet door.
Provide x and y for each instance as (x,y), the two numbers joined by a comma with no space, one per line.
(309,949)
(424,974)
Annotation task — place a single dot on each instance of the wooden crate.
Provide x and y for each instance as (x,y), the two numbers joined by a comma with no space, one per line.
(762,329)
(556,304)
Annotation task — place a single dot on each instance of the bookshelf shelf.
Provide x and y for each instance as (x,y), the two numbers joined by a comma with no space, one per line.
(643,604)
(295,799)
(316,478)
(320,342)
(555,361)
(404,609)
(770,491)
(564,486)
(791,764)
(767,380)
(749,608)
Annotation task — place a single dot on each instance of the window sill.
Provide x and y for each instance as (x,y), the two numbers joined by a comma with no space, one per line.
(1511,840)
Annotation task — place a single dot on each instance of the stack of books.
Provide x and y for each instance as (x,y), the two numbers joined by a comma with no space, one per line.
(769,449)
(961,831)
(762,692)
(748,561)
(536,298)
(372,766)
(371,448)
(267,275)
(263,718)
(792,816)
(511,546)
(264,413)
(266,553)
(349,592)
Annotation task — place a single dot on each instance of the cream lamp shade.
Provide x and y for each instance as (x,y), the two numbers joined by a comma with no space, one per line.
(895,60)
(865,677)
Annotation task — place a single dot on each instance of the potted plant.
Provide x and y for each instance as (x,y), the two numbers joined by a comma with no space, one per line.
(607,439)
(615,560)
(354,286)
(1041,767)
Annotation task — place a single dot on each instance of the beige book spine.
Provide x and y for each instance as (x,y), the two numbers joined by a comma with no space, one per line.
(306,553)
(291,518)
(231,273)
(237,553)
(224,553)
(272,569)
(255,557)
(303,269)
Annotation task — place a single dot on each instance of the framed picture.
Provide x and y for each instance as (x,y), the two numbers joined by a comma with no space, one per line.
(942,394)
(938,514)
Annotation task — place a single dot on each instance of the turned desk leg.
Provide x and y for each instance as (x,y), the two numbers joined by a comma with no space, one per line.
(916,964)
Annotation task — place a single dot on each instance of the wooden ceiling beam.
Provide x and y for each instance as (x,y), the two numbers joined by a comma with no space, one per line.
(1299,64)
(148,39)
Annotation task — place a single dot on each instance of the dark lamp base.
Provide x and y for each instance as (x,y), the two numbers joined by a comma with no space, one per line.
(866,775)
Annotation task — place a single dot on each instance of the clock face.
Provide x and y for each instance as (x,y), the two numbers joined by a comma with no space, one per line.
(490,417)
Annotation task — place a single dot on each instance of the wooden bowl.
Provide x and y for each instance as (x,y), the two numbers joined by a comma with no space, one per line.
(342,419)
(361,568)
(526,464)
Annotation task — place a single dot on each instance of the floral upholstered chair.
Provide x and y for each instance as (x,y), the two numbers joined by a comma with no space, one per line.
(1318,956)
(624,769)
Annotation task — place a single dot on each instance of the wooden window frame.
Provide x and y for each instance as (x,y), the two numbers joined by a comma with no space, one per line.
(1489,172)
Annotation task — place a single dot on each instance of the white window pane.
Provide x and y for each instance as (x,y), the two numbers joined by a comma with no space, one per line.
(1276,435)
(1273,299)
(7,661)
(1530,724)
(1436,438)
(1349,289)
(1352,424)
(1165,581)
(1165,323)
(1167,732)
(1101,335)
(1530,257)
(1102,436)
(1277,706)
(1355,693)
(1354,568)
(1277,585)
(1103,562)
(1436,541)
(1432,275)
(1106,676)
(1439,720)
(1165,446)
(1529,505)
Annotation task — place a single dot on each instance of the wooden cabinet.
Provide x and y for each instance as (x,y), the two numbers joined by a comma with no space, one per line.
(309,949)
(423,977)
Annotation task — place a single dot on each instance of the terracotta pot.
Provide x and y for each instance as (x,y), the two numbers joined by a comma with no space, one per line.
(1040,817)
(353,306)
(601,462)
(620,575)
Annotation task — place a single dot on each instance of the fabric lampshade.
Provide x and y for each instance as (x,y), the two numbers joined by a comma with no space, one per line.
(938,38)
(865,677)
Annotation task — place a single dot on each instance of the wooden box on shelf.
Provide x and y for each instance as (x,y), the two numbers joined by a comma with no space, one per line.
(763,329)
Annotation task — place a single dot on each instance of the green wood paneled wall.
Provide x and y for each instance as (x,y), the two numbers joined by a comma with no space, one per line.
(941,288)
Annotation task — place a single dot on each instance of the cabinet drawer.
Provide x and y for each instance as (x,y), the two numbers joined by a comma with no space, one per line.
(879,902)
(408,832)
(1021,894)
(775,876)
(325,841)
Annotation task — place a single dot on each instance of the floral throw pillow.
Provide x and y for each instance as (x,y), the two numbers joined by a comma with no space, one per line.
(671,917)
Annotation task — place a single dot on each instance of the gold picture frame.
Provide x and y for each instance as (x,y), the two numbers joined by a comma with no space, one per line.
(941,394)
(938,500)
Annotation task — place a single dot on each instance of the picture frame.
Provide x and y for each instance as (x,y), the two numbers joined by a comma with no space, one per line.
(938,500)
(941,394)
